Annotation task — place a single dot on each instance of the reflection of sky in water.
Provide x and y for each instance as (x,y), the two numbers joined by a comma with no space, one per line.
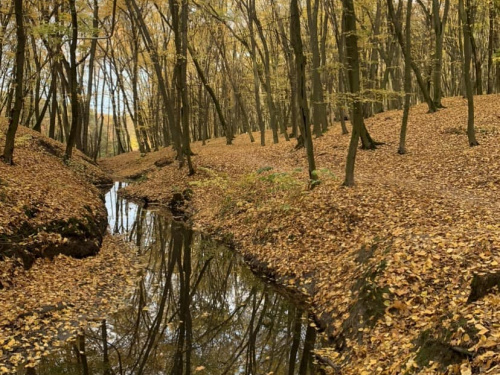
(238,323)
(121,213)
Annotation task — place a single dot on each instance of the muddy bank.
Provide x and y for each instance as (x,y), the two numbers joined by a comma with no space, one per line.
(73,237)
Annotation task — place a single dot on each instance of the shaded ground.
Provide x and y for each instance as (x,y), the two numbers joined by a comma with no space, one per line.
(387,265)
(47,209)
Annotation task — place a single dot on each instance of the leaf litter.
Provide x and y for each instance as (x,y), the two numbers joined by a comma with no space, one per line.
(387,265)
(43,204)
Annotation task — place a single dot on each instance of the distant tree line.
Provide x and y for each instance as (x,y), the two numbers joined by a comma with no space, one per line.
(109,76)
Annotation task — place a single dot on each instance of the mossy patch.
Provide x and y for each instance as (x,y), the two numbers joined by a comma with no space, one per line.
(370,301)
(482,285)
(23,140)
(435,345)
(365,253)
(368,307)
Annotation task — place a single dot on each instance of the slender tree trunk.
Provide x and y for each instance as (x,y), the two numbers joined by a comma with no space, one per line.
(93,48)
(258,104)
(266,83)
(256,86)
(101,125)
(320,123)
(211,92)
(3,28)
(300,62)
(491,46)
(183,85)
(41,115)
(471,134)
(176,131)
(416,70)
(340,40)
(407,83)
(36,97)
(353,74)
(372,53)
(64,114)
(475,53)
(237,94)
(8,152)
(292,76)
(53,107)
(439,28)
(138,124)
(116,116)
(75,106)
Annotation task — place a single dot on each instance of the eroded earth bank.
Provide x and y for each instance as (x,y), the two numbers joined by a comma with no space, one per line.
(59,268)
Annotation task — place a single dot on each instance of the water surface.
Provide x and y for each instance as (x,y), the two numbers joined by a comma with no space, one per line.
(197,309)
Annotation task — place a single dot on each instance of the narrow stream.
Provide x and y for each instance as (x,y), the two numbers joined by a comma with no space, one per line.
(197,309)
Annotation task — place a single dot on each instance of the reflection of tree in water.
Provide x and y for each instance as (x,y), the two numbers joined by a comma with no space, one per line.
(196,305)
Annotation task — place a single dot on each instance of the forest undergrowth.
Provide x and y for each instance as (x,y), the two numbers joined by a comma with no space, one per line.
(402,271)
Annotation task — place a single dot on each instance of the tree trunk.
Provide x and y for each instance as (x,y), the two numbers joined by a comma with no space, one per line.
(256,86)
(292,76)
(53,107)
(8,152)
(471,134)
(320,123)
(353,74)
(340,39)
(36,98)
(439,27)
(491,46)
(93,47)
(407,84)
(273,122)
(176,131)
(211,92)
(416,70)
(41,115)
(75,107)
(300,62)
(182,58)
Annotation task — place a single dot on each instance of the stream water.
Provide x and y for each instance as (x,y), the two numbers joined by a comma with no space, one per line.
(198,309)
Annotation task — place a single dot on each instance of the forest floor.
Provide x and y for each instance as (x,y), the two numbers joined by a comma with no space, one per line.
(402,271)
(48,210)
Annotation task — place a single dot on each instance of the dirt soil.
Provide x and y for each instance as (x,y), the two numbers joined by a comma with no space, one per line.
(388,265)
(51,215)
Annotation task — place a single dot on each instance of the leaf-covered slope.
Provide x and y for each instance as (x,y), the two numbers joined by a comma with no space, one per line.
(46,206)
(390,264)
